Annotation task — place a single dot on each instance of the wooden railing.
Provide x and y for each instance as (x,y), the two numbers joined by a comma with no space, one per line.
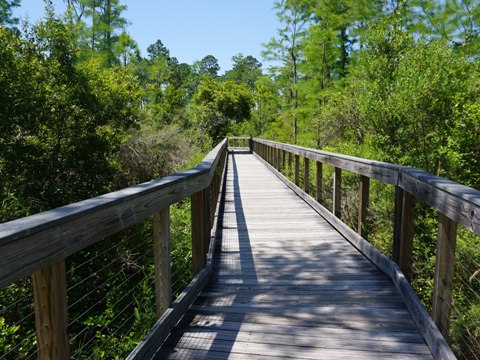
(38,245)
(455,203)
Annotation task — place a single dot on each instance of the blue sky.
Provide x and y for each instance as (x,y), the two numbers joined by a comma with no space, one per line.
(192,29)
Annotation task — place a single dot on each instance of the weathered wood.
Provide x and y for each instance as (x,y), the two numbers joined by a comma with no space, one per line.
(161,256)
(363,204)
(431,334)
(51,320)
(306,175)
(406,234)
(53,235)
(460,203)
(199,230)
(397,224)
(319,181)
(297,170)
(385,172)
(337,192)
(444,269)
(283,161)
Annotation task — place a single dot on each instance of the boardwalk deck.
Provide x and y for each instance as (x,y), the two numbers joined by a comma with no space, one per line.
(287,285)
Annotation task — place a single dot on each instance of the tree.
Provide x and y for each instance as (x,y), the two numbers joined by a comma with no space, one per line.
(457,22)
(61,122)
(217,105)
(6,12)
(245,70)
(287,49)
(207,66)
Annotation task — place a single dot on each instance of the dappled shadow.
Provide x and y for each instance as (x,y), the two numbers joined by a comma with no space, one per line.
(286,284)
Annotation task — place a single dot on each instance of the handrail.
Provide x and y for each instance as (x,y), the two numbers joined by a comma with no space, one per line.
(39,244)
(455,203)
(459,202)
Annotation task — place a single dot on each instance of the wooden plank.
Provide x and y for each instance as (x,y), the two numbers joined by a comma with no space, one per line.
(304,340)
(363,204)
(297,170)
(444,269)
(406,234)
(385,172)
(161,256)
(306,175)
(426,326)
(458,202)
(319,181)
(198,232)
(337,192)
(51,236)
(51,320)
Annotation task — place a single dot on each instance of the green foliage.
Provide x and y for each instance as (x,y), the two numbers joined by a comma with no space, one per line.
(217,105)
(61,123)
(6,12)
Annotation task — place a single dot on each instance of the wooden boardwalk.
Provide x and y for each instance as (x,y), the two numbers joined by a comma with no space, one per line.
(287,285)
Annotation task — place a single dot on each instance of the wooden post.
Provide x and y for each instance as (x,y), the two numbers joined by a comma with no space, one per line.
(306,174)
(250,144)
(337,192)
(161,257)
(363,203)
(51,320)
(405,227)
(284,154)
(319,182)
(443,283)
(397,222)
(200,227)
(297,169)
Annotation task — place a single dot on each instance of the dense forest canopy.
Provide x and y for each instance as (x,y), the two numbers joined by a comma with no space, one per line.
(82,112)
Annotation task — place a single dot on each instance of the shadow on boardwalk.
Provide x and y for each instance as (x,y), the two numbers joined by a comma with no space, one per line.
(287,285)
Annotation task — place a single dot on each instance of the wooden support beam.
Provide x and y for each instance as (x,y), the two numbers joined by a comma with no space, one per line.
(284,154)
(337,192)
(363,204)
(51,320)
(405,223)
(319,181)
(297,170)
(444,268)
(306,175)
(200,228)
(161,256)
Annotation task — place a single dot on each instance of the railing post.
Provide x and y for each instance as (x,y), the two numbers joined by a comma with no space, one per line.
(404,231)
(319,182)
(306,174)
(443,283)
(290,161)
(51,320)
(297,169)
(284,154)
(363,203)
(200,229)
(250,144)
(337,192)
(161,257)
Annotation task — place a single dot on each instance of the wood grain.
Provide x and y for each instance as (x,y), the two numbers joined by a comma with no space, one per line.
(286,285)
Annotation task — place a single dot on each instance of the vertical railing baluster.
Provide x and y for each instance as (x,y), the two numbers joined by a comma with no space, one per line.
(319,182)
(51,319)
(200,228)
(306,174)
(444,269)
(337,192)
(297,170)
(363,203)
(404,231)
(161,256)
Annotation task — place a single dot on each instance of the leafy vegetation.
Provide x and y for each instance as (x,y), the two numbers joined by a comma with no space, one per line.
(83,113)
